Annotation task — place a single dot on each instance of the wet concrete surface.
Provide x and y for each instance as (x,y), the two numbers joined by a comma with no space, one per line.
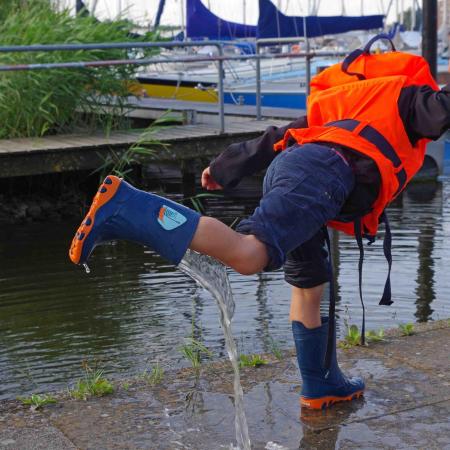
(406,405)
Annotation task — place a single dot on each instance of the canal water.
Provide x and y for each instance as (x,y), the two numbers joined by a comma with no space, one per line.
(135,309)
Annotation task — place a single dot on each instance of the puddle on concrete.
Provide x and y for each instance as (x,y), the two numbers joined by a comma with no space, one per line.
(197,412)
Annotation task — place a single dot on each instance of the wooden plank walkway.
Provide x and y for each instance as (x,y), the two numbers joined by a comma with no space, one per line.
(34,156)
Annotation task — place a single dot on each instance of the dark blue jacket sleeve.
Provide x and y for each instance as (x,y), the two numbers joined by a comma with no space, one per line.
(248,157)
(425,112)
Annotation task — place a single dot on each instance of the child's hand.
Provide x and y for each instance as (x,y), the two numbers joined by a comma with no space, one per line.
(208,182)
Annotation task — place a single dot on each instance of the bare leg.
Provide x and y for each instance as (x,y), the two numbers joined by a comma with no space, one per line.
(243,253)
(305,306)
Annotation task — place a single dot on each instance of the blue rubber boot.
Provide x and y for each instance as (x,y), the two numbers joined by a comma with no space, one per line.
(321,387)
(119,211)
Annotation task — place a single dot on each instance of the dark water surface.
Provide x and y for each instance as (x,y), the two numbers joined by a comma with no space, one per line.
(134,309)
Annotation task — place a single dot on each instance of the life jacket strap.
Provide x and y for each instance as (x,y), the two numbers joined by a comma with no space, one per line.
(378,37)
(373,136)
(355,54)
(387,248)
(385,299)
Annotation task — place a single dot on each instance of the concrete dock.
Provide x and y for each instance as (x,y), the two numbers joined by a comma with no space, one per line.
(406,406)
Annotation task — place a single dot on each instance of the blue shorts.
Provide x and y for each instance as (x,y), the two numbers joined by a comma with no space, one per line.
(304,188)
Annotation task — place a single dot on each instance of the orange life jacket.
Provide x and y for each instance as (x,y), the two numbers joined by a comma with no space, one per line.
(354,104)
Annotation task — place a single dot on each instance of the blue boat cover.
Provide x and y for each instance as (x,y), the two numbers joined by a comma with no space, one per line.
(272,23)
(202,23)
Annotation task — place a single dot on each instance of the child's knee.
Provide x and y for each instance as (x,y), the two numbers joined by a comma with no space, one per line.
(250,257)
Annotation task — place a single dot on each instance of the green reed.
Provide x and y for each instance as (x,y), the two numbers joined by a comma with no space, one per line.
(121,163)
(40,102)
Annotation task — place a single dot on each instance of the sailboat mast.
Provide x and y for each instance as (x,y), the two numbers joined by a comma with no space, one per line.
(183,22)
(362,7)
(244,11)
(445,21)
(94,7)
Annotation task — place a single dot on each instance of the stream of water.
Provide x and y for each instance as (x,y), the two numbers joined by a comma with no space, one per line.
(212,276)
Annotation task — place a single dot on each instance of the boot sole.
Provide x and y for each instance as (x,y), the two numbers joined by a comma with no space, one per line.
(325,402)
(105,193)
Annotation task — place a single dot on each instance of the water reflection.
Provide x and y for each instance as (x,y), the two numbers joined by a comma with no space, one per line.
(134,309)
(425,293)
(264,316)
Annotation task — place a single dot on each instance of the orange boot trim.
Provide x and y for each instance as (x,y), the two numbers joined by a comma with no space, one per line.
(104,194)
(325,402)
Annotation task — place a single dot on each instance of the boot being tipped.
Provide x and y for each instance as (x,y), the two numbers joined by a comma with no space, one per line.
(119,211)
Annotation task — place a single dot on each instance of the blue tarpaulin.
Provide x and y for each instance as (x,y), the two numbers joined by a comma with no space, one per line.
(202,23)
(272,23)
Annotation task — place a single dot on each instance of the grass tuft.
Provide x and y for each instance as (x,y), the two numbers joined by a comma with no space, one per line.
(375,336)
(193,351)
(37,401)
(94,384)
(251,361)
(352,338)
(407,329)
(154,376)
(126,385)
(275,348)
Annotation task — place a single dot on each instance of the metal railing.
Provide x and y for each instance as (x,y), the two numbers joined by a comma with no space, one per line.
(155,60)
(278,41)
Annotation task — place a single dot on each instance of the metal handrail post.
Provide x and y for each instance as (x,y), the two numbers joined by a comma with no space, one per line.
(308,69)
(221,93)
(258,84)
